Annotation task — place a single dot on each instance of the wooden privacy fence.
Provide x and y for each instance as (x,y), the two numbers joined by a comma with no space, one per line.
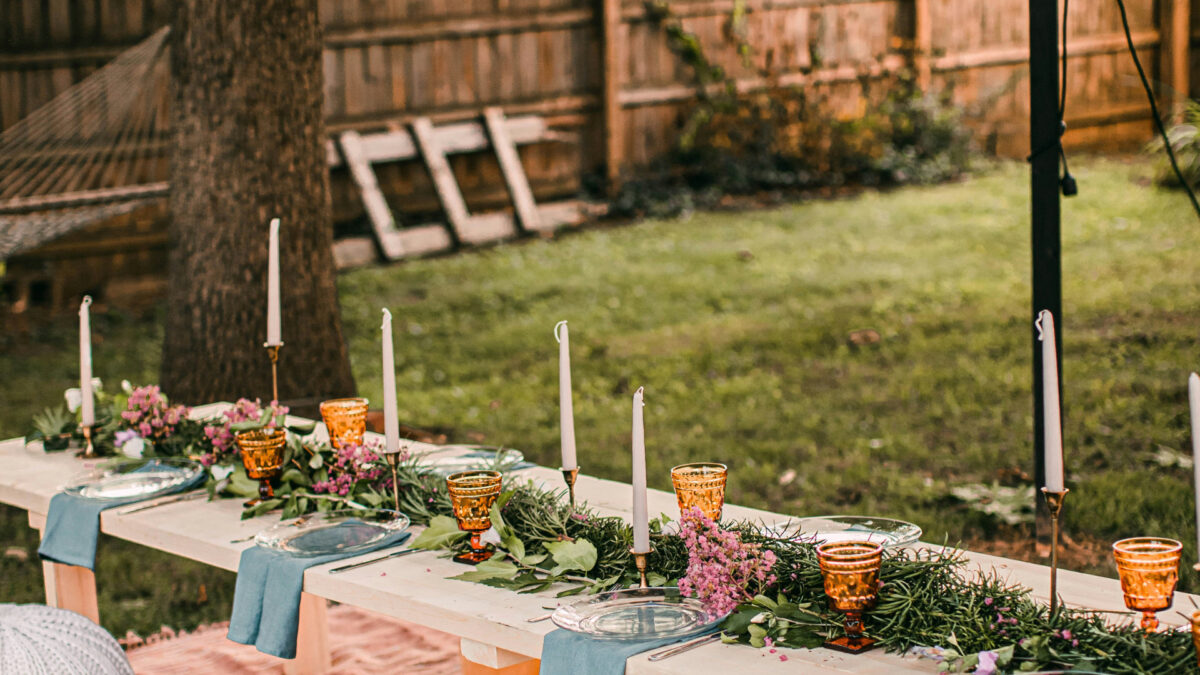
(603,69)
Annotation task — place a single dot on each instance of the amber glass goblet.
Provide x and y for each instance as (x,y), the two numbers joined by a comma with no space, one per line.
(1149,570)
(346,420)
(850,570)
(701,484)
(262,455)
(1196,634)
(472,494)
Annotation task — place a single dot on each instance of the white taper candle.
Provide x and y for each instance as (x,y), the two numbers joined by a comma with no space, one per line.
(1194,405)
(87,406)
(566,411)
(641,519)
(274,331)
(1053,457)
(391,423)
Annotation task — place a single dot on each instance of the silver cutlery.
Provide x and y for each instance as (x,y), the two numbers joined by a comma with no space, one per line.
(143,506)
(396,554)
(686,646)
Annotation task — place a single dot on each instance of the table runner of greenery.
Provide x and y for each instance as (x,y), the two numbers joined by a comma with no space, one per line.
(976,622)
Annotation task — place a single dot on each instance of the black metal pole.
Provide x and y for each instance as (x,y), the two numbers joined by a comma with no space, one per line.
(1044,132)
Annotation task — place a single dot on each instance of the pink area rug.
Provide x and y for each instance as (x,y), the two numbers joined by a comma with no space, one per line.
(362,643)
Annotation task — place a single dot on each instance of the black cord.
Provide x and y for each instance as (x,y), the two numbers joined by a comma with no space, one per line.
(1154,110)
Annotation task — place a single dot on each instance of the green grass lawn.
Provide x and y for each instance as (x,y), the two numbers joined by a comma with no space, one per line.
(738,325)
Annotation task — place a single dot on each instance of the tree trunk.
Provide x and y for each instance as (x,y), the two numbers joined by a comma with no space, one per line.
(248,145)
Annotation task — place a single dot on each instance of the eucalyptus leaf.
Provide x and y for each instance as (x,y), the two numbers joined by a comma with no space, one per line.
(315,461)
(302,429)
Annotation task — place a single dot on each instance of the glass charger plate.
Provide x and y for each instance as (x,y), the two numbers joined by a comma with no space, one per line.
(477,457)
(134,478)
(341,531)
(636,614)
(820,529)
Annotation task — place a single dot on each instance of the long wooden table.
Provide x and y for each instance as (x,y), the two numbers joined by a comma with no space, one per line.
(492,622)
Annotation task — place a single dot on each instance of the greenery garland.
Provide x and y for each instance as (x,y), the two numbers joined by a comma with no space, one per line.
(927,599)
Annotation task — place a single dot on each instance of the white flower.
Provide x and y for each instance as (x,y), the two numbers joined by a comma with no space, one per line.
(759,618)
(74,398)
(221,472)
(491,536)
(126,387)
(133,447)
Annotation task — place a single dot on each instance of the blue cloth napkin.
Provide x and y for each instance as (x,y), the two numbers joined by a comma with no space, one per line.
(266,598)
(73,524)
(567,652)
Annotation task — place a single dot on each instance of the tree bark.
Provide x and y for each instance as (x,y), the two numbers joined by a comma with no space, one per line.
(248,145)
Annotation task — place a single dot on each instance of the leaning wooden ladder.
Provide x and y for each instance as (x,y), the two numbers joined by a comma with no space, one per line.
(432,145)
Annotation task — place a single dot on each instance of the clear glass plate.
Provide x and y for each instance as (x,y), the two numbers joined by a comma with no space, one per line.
(636,614)
(134,478)
(820,529)
(342,531)
(443,463)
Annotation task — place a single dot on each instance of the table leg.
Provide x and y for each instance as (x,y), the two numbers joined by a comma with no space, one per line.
(67,586)
(477,658)
(312,639)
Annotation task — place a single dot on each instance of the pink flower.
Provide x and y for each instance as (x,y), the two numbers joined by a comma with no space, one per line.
(783,657)
(722,571)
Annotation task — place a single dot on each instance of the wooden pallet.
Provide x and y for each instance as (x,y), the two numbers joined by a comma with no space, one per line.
(432,145)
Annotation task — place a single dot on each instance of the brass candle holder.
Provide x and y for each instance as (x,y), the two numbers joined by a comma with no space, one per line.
(393,460)
(570,476)
(346,420)
(700,485)
(1054,503)
(642,560)
(262,455)
(472,495)
(850,571)
(1149,571)
(88,450)
(273,354)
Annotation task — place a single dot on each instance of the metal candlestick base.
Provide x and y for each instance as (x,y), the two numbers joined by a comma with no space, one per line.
(88,449)
(641,559)
(273,353)
(1054,504)
(393,460)
(570,475)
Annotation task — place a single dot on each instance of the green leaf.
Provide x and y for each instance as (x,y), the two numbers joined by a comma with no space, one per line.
(655,579)
(757,633)
(302,429)
(572,555)
(571,591)
(261,508)
(489,569)
(515,547)
(315,461)
(534,558)
(441,533)
(764,601)
(371,498)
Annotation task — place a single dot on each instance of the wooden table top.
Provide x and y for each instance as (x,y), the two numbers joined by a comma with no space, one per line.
(416,588)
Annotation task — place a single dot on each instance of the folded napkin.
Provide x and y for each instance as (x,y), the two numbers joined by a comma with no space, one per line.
(73,524)
(266,598)
(565,651)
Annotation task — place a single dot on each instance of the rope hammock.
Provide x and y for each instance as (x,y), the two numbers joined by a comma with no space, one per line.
(95,151)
